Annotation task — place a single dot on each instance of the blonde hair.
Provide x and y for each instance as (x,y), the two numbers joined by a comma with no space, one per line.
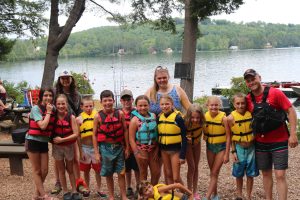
(167,97)
(238,95)
(195,107)
(214,98)
(155,87)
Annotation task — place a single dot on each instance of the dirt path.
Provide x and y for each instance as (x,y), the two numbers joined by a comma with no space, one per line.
(16,187)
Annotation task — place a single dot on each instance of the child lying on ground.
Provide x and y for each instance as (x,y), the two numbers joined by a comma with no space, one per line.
(175,191)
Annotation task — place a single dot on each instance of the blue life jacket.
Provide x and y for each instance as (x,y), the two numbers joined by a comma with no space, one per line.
(147,131)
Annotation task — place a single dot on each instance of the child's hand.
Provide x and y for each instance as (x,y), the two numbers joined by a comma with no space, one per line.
(49,107)
(82,157)
(58,140)
(127,152)
(226,158)
(235,158)
(97,157)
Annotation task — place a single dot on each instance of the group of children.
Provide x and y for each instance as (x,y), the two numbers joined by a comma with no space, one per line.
(120,140)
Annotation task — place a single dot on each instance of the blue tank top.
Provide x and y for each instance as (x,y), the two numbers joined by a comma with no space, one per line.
(154,107)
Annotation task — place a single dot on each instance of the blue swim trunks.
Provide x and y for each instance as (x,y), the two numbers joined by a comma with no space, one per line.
(112,159)
(246,157)
(216,148)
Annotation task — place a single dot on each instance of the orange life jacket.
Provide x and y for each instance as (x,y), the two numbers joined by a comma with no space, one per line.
(111,128)
(34,128)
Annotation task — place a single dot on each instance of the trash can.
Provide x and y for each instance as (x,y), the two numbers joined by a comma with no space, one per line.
(18,135)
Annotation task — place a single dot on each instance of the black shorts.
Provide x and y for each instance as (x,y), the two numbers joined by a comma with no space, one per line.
(131,164)
(34,146)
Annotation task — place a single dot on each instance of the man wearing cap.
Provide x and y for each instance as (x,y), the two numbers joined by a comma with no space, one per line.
(271,137)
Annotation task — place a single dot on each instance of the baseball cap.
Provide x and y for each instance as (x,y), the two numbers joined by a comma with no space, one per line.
(64,73)
(126,92)
(250,72)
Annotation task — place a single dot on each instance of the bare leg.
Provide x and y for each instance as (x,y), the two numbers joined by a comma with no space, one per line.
(60,164)
(215,162)
(167,167)
(87,177)
(121,180)
(155,170)
(268,183)
(35,159)
(281,184)
(239,186)
(191,167)
(249,187)
(175,161)
(110,187)
(69,167)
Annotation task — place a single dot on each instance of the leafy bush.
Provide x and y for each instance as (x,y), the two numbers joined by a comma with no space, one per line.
(83,83)
(15,91)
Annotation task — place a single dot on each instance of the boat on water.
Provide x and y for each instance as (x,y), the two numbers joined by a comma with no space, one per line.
(296,89)
(287,87)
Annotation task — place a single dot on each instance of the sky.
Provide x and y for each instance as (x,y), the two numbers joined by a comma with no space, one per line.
(271,11)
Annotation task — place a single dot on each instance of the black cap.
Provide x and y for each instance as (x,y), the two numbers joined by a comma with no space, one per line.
(250,72)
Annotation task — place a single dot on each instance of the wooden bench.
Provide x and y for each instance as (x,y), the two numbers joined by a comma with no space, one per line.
(15,153)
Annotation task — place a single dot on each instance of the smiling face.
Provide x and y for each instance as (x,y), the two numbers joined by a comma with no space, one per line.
(195,118)
(166,105)
(148,191)
(162,78)
(61,105)
(107,103)
(253,83)
(126,102)
(142,107)
(214,106)
(239,104)
(65,81)
(47,98)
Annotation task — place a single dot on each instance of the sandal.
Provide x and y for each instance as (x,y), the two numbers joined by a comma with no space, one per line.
(57,188)
(102,195)
(82,187)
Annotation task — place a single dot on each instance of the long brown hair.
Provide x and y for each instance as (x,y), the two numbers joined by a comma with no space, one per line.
(195,107)
(73,88)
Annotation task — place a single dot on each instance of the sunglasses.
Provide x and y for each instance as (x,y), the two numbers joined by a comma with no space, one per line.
(161,68)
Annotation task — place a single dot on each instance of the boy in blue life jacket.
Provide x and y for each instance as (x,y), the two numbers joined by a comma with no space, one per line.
(110,139)
(130,163)
(243,150)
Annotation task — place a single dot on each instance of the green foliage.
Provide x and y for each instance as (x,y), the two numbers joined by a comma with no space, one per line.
(216,35)
(237,85)
(202,101)
(6,46)
(83,84)
(20,17)
(15,90)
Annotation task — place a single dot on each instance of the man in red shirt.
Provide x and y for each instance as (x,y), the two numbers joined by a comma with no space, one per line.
(272,146)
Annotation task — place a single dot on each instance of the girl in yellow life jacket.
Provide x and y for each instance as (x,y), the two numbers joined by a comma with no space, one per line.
(217,136)
(164,192)
(172,139)
(243,151)
(194,122)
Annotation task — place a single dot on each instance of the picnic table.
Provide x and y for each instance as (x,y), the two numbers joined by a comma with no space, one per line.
(15,153)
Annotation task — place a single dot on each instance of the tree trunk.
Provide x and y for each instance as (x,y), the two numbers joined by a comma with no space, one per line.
(189,48)
(58,36)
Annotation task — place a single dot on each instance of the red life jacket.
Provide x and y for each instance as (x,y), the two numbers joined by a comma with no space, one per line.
(63,128)
(127,116)
(111,128)
(34,128)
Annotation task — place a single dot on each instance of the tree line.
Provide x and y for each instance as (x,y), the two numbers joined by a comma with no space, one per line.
(214,35)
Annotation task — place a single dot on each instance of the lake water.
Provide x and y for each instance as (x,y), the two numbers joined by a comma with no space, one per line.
(135,72)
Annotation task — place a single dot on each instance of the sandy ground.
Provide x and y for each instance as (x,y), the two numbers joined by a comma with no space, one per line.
(18,187)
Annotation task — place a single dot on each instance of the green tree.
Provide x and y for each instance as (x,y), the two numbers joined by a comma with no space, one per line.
(20,18)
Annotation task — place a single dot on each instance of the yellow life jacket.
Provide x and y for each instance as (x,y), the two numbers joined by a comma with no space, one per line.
(86,128)
(214,131)
(241,130)
(168,131)
(158,196)
(194,133)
